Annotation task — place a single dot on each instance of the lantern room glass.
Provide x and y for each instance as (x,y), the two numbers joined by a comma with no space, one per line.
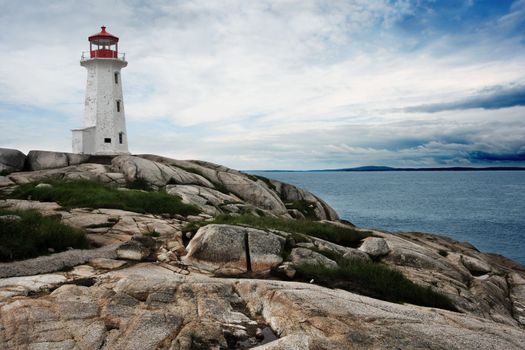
(103,49)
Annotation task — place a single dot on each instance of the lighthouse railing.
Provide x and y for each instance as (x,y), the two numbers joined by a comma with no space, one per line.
(87,55)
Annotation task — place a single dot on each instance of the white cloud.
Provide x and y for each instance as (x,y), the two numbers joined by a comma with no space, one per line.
(248,82)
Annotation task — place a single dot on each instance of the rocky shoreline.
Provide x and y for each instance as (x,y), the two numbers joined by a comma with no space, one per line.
(229,286)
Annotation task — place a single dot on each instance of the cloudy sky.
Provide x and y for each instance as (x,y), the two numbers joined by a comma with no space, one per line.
(279,84)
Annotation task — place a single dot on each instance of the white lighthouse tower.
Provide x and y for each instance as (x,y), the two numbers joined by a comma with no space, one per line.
(104,130)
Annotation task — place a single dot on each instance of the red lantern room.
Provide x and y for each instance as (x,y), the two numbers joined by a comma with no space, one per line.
(103,45)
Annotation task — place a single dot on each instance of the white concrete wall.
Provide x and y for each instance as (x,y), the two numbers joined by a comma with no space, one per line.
(84,140)
(77,141)
(102,94)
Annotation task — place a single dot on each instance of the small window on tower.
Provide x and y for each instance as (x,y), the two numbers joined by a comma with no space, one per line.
(107,140)
(116,78)
(120,137)
(118,106)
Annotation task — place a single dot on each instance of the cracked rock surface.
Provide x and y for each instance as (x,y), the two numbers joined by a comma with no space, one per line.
(148,307)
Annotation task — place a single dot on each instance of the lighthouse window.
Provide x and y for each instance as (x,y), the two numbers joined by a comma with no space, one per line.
(118,106)
(107,140)
(120,134)
(116,78)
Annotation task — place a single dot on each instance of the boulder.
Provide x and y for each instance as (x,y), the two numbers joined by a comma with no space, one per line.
(220,249)
(234,250)
(42,160)
(375,247)
(133,250)
(265,250)
(333,248)
(76,158)
(302,256)
(11,160)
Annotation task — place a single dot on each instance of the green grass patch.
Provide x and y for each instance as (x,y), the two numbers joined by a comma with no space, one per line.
(375,280)
(88,194)
(152,234)
(345,236)
(34,234)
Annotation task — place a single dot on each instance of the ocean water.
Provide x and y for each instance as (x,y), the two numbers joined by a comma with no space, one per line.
(485,208)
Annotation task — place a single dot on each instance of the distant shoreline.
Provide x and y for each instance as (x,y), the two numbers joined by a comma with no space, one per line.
(383,169)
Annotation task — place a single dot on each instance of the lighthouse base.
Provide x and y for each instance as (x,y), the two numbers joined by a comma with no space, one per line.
(85,142)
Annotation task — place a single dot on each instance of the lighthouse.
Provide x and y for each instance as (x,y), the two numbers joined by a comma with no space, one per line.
(104,130)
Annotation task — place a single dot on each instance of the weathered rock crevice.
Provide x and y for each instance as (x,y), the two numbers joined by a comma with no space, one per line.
(247,250)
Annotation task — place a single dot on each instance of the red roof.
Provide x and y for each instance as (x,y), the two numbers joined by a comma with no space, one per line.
(103,37)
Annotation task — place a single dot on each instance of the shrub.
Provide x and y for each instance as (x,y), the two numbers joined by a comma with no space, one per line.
(375,280)
(34,234)
(139,184)
(82,193)
(341,235)
(152,234)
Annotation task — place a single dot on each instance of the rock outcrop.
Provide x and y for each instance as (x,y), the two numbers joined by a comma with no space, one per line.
(152,282)
(214,189)
(374,247)
(149,307)
(42,160)
(486,289)
(230,250)
(11,160)
(304,256)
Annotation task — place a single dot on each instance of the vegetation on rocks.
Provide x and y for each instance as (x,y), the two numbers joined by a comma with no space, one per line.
(33,235)
(139,184)
(345,236)
(375,280)
(88,194)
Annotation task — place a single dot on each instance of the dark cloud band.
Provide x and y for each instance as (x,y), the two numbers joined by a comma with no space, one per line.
(492,98)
